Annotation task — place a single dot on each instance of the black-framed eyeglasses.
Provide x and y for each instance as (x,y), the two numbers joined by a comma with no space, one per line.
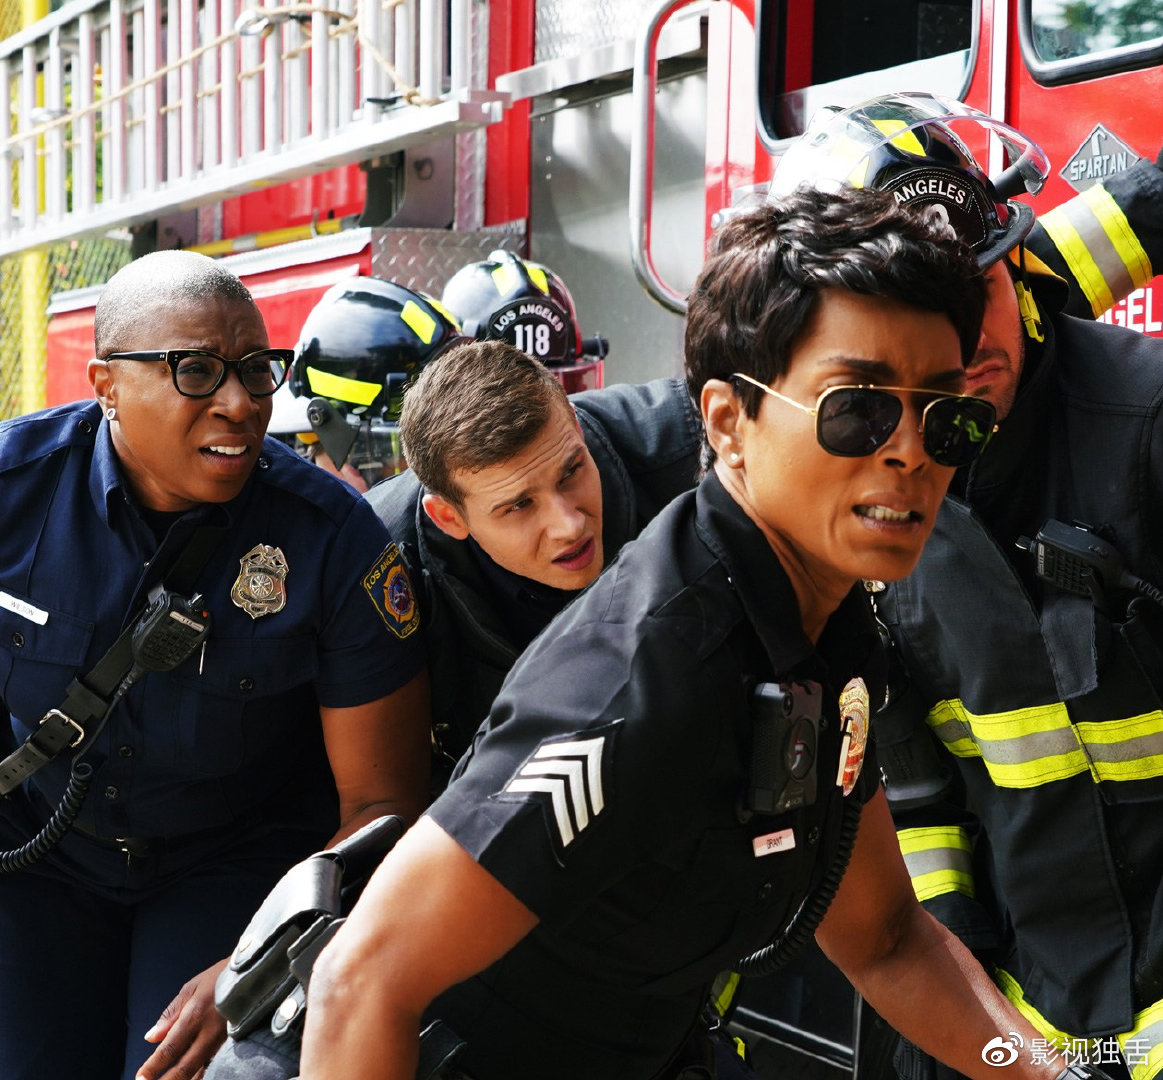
(853,421)
(197,373)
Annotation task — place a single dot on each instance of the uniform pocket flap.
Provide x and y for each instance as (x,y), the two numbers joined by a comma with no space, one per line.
(42,634)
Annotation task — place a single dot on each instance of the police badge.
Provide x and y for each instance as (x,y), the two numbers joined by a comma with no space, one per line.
(259,588)
(854,728)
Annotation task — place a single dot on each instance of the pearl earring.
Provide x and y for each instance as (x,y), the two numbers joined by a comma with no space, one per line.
(110,414)
(734,457)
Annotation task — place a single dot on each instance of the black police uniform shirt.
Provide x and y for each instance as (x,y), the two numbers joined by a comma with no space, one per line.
(235,729)
(605,792)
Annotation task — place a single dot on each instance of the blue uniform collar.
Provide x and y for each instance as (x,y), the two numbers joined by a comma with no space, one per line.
(527,606)
(106,480)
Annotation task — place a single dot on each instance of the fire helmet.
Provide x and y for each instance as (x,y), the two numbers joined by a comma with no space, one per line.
(913,144)
(360,347)
(364,341)
(288,414)
(508,298)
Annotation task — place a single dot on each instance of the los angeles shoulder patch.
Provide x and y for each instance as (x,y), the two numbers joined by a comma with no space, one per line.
(568,776)
(389,588)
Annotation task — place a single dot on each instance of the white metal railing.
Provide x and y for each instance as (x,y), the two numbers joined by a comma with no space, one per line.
(123,110)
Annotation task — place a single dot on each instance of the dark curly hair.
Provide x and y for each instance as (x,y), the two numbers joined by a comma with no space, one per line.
(756,293)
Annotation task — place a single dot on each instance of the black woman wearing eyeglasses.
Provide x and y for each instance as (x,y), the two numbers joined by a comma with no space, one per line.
(206,781)
(674,767)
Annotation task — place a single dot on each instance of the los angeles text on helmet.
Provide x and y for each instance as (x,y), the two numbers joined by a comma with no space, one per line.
(523,311)
(924,187)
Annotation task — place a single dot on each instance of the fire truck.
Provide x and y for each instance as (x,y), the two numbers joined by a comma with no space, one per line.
(305,142)
(308,142)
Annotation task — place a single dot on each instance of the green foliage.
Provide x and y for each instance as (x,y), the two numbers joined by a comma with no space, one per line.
(1070,28)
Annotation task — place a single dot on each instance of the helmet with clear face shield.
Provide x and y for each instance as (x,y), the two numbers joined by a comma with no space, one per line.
(360,346)
(915,145)
(508,298)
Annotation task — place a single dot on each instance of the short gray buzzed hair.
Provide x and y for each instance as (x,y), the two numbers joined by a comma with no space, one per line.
(134,292)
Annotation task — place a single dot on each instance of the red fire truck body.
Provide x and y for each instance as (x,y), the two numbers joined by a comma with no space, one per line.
(722,83)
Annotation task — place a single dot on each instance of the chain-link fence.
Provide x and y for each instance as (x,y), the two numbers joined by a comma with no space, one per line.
(10,326)
(27,281)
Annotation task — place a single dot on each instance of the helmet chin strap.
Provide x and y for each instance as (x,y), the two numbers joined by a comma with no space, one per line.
(1027,307)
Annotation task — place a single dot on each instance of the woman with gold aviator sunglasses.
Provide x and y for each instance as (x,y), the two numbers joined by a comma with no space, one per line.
(673,768)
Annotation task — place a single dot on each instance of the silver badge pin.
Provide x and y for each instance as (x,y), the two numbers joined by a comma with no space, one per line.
(259,588)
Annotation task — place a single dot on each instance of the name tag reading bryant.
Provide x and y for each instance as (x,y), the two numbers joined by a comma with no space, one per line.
(23,608)
(770,843)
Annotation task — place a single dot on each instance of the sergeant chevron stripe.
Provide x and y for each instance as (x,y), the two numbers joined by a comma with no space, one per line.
(570,773)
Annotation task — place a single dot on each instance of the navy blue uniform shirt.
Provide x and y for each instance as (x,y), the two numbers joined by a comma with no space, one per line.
(235,729)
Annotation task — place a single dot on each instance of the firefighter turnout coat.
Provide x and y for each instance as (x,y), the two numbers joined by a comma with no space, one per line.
(1043,850)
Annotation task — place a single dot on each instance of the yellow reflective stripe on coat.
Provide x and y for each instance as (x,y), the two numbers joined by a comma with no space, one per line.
(1009,986)
(1142,1046)
(723,991)
(939,860)
(1101,249)
(1025,748)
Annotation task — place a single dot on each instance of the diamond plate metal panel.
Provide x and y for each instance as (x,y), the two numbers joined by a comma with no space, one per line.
(424,259)
(566,27)
(471,151)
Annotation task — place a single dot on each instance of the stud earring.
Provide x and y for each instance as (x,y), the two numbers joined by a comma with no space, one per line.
(734,457)
(111,414)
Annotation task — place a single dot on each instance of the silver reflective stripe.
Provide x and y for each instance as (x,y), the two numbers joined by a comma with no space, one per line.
(1024,748)
(1134,745)
(1100,248)
(939,860)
